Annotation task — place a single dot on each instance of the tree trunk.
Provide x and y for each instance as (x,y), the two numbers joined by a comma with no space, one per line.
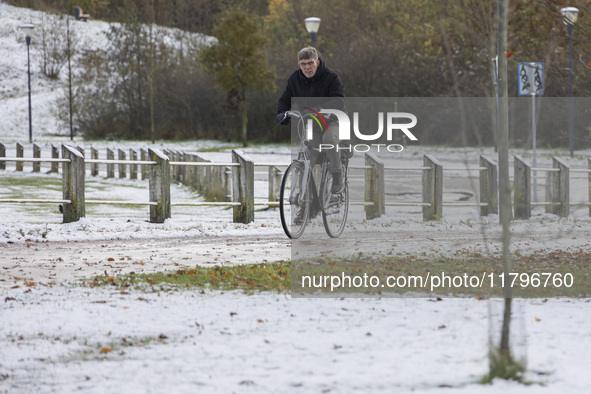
(151,79)
(504,182)
(70,98)
(243,134)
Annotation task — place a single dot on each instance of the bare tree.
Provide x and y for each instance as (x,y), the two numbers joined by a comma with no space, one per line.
(502,362)
(53,44)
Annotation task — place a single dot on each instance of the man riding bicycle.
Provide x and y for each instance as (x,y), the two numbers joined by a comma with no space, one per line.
(314,79)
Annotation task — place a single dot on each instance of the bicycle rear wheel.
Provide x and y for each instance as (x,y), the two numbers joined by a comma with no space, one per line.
(294,209)
(335,211)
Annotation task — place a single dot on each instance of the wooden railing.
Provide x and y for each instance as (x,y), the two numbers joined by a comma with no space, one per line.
(232,184)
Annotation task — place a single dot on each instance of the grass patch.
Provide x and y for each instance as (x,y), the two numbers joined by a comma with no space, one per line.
(23,185)
(284,276)
(249,278)
(504,366)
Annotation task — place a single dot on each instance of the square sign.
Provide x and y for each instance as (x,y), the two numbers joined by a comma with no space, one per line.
(530,77)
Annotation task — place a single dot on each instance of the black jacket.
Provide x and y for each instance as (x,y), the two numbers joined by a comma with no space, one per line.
(325,83)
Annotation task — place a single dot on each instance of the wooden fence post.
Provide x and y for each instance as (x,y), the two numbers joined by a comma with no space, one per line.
(144,157)
(36,155)
(20,152)
(132,167)
(202,179)
(81,150)
(274,183)
(94,167)
(159,186)
(170,155)
(121,156)
(243,187)
(73,184)
(213,182)
(55,154)
(182,170)
(188,181)
(489,192)
(432,188)
(522,188)
(2,154)
(110,166)
(174,170)
(193,172)
(197,175)
(179,169)
(375,191)
(560,186)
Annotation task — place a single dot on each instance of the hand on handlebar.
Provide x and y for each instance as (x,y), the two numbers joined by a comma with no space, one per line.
(283,118)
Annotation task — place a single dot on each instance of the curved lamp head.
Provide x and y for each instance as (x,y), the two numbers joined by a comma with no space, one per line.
(569,15)
(312,24)
(27,30)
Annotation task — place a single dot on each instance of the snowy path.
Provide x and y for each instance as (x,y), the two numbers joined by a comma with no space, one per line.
(56,262)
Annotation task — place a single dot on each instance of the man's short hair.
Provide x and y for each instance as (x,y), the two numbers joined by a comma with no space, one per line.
(308,53)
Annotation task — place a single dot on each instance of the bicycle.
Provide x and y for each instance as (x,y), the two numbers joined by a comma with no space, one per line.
(299,200)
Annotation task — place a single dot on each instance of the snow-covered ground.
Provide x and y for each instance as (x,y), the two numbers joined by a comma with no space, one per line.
(65,340)
(57,337)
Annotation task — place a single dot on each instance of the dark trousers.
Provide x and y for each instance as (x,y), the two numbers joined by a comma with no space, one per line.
(329,136)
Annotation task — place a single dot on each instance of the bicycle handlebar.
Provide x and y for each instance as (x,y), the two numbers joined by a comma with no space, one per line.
(286,115)
(293,113)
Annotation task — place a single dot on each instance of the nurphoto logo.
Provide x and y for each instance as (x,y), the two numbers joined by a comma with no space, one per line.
(392,124)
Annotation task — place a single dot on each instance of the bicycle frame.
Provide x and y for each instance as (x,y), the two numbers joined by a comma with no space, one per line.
(304,194)
(304,158)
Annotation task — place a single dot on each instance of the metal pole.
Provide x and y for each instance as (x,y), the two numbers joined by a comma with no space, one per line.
(313,38)
(571,132)
(495,63)
(29,78)
(533,130)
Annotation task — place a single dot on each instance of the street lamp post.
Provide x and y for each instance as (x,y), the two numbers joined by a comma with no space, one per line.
(312,25)
(28,32)
(569,17)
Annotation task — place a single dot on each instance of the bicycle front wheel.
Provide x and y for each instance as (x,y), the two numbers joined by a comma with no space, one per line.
(294,208)
(335,208)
